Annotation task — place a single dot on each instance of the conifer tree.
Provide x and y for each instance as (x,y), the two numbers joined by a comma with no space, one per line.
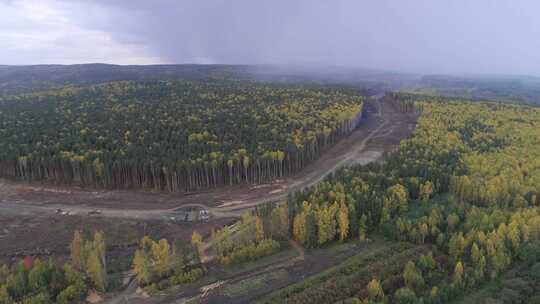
(375,290)
(95,270)
(362,227)
(100,248)
(279,222)
(424,230)
(141,267)
(76,251)
(259,229)
(426,191)
(457,278)
(413,277)
(343,221)
(161,253)
(196,241)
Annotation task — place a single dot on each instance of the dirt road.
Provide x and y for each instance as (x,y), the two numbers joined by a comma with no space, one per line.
(382,128)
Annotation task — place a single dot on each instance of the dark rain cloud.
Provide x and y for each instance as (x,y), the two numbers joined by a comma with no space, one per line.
(460,36)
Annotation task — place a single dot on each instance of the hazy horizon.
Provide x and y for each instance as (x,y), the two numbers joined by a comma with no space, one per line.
(419,36)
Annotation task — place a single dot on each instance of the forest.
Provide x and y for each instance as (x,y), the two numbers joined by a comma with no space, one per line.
(454,210)
(175,136)
(27,79)
(516,89)
(34,281)
(156,266)
(463,191)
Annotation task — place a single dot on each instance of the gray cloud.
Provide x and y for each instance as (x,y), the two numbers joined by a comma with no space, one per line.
(461,36)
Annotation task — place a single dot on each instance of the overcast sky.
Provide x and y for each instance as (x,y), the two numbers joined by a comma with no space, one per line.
(426,36)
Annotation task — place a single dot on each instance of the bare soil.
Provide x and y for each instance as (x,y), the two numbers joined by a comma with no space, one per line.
(44,236)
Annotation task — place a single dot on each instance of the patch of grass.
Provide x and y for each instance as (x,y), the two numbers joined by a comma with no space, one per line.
(244,287)
(264,261)
(336,248)
(208,279)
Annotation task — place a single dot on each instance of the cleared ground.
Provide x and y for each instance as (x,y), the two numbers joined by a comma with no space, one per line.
(44,236)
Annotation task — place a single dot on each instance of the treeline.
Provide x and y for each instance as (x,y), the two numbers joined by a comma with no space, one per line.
(172,136)
(466,182)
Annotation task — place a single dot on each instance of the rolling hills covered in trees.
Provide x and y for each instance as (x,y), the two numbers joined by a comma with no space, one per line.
(26,79)
(33,78)
(522,89)
(169,135)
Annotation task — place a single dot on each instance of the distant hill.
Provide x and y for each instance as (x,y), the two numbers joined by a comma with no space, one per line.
(524,89)
(24,79)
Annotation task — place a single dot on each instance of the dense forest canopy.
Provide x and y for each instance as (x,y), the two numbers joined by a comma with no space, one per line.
(171,135)
(465,186)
